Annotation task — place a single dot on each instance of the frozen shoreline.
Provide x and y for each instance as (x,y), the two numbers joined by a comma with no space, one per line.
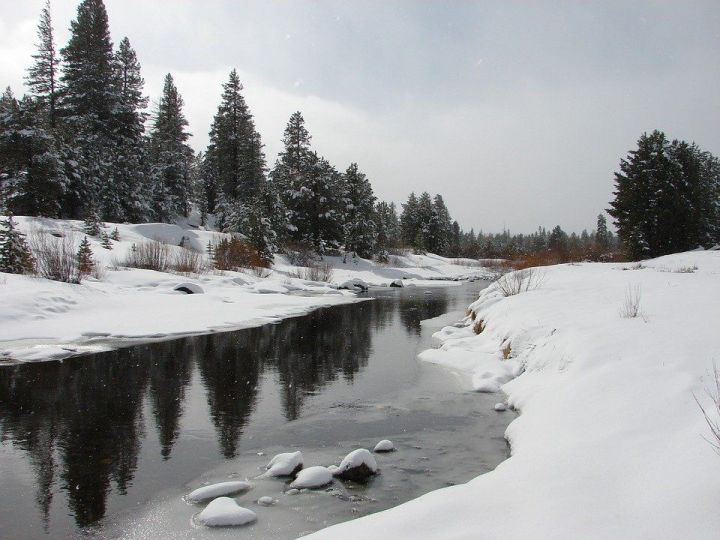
(46,320)
(610,442)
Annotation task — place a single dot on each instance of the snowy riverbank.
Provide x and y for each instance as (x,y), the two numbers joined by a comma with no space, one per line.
(43,319)
(610,442)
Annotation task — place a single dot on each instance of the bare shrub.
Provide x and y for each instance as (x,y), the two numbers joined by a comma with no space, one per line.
(314,272)
(261,271)
(714,425)
(631,305)
(55,258)
(234,253)
(149,255)
(686,269)
(187,261)
(520,281)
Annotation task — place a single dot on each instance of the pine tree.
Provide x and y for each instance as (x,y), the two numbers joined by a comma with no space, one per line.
(42,77)
(423,217)
(89,99)
(115,234)
(360,228)
(92,224)
(235,150)
(170,156)
(409,221)
(105,240)
(388,229)
(601,233)
(438,227)
(85,262)
(128,196)
(15,256)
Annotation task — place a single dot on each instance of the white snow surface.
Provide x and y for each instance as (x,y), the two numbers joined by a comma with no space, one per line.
(312,477)
(216,490)
(284,464)
(43,319)
(610,442)
(225,512)
(355,459)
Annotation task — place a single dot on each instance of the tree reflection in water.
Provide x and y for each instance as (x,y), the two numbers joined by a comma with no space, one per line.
(79,423)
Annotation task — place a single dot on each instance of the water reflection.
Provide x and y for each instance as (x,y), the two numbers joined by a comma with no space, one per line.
(79,424)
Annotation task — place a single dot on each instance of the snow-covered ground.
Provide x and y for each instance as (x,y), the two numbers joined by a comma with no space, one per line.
(42,319)
(610,442)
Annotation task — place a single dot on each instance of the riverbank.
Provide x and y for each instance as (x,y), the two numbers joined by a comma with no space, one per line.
(610,442)
(44,320)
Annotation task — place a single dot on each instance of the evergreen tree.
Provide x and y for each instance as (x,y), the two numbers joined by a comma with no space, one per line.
(170,156)
(360,228)
(42,77)
(455,239)
(89,99)
(424,217)
(115,234)
(388,229)
(409,221)
(105,240)
(85,262)
(32,179)
(558,242)
(15,256)
(235,154)
(92,225)
(128,195)
(601,233)
(438,227)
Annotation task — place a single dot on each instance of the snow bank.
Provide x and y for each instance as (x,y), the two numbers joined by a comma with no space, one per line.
(44,319)
(225,512)
(216,490)
(312,477)
(610,442)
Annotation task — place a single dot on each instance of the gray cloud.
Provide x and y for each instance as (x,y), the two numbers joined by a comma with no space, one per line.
(517,112)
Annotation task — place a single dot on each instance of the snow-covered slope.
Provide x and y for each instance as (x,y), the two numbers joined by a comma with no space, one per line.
(42,319)
(610,442)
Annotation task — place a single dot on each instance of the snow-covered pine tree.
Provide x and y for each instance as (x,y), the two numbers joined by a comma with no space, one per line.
(128,196)
(437,228)
(388,229)
(360,227)
(601,234)
(105,240)
(85,262)
(15,256)
(89,99)
(424,216)
(42,77)
(455,239)
(92,226)
(235,151)
(115,235)
(31,173)
(409,221)
(170,156)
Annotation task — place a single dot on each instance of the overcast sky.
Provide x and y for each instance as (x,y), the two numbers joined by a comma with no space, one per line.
(516,112)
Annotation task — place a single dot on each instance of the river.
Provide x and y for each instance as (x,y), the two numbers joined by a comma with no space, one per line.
(106,445)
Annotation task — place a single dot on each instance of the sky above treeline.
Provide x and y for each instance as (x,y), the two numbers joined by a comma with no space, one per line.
(516,112)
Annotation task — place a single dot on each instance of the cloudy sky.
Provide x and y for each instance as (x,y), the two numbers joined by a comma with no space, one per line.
(517,112)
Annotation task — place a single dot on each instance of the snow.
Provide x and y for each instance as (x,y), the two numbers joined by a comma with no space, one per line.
(355,459)
(500,407)
(44,320)
(609,442)
(285,464)
(384,446)
(266,500)
(225,512)
(312,477)
(216,490)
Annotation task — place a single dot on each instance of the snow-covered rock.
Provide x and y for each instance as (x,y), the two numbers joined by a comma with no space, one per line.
(217,490)
(355,284)
(189,288)
(225,512)
(312,477)
(500,407)
(266,501)
(358,465)
(384,446)
(397,283)
(286,464)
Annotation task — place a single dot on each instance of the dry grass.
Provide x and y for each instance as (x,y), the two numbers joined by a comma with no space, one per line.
(187,261)
(314,272)
(506,350)
(479,326)
(520,281)
(149,255)
(713,423)
(55,257)
(630,308)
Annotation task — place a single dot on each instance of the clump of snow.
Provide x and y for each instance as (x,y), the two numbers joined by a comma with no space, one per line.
(500,407)
(293,491)
(285,464)
(610,442)
(216,490)
(384,446)
(266,501)
(225,512)
(358,465)
(355,284)
(312,477)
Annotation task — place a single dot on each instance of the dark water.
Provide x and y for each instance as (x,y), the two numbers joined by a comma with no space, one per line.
(105,445)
